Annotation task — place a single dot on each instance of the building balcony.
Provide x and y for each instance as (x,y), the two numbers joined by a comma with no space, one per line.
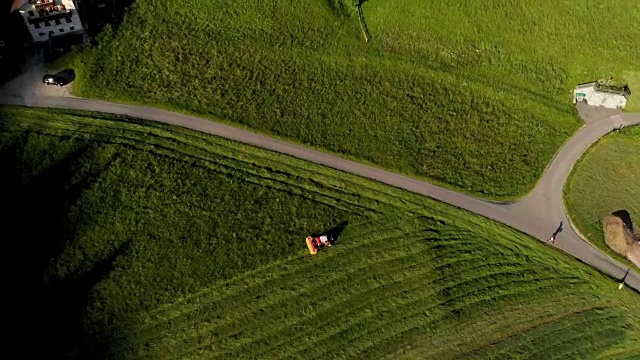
(51,10)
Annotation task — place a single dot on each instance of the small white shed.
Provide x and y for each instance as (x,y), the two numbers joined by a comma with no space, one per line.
(600,94)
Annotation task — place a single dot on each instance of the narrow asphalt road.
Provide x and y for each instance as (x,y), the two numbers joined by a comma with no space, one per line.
(538,214)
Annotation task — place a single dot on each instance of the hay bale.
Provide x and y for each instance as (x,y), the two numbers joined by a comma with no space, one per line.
(634,254)
(615,234)
(621,239)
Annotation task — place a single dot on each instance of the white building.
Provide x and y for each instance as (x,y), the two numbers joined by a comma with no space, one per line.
(600,94)
(46,18)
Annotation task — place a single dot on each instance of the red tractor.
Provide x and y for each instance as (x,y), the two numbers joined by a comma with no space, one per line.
(315,243)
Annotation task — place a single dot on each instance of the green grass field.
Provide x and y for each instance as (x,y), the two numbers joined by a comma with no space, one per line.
(633,80)
(475,96)
(148,241)
(606,180)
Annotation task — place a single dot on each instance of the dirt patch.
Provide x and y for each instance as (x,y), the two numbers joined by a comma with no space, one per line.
(620,237)
(594,113)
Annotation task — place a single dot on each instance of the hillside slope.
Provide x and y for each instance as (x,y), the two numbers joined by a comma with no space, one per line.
(473,96)
(153,241)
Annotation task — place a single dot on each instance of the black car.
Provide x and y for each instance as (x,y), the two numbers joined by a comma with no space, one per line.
(61,78)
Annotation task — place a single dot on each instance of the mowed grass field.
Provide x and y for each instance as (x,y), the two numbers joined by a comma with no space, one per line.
(475,96)
(606,180)
(147,241)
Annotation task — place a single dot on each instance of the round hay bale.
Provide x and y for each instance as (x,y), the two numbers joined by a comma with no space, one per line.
(615,234)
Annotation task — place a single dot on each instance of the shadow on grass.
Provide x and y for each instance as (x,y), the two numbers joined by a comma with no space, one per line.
(334,232)
(45,312)
(625,217)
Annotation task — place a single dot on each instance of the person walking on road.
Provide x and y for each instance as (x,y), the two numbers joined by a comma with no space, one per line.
(555,233)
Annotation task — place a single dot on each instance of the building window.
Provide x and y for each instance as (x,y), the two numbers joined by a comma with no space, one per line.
(36,25)
(47,23)
(50,32)
(31,13)
(68,20)
(61,30)
(72,28)
(58,22)
(41,34)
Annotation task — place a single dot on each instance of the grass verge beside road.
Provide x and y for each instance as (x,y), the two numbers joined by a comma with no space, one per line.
(603,181)
(155,241)
(474,96)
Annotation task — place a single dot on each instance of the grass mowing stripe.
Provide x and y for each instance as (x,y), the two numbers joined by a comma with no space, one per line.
(474,304)
(268,312)
(537,312)
(297,284)
(249,176)
(269,272)
(227,144)
(267,302)
(156,148)
(433,292)
(356,308)
(387,288)
(630,353)
(171,260)
(147,144)
(414,319)
(324,334)
(561,349)
(554,332)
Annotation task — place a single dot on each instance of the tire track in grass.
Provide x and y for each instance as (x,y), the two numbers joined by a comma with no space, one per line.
(626,354)
(552,334)
(250,163)
(233,148)
(223,168)
(410,334)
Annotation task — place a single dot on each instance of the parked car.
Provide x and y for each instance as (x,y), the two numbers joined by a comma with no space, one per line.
(60,78)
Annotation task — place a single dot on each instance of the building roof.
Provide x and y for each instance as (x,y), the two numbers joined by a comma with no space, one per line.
(17,4)
(605,87)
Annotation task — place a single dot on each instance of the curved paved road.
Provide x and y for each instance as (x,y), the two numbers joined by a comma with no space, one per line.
(538,214)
